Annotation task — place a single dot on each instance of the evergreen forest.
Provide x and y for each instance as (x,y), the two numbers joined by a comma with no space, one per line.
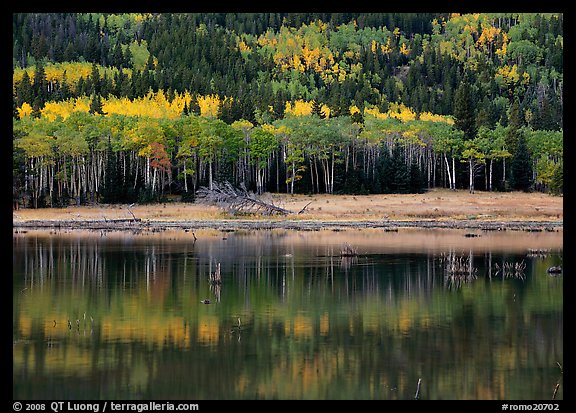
(144,107)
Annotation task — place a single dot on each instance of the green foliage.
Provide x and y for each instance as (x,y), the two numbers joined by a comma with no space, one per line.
(557,183)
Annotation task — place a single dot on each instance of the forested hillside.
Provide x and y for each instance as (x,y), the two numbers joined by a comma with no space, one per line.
(135,107)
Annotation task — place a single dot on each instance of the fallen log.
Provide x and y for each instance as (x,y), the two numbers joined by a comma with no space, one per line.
(237,200)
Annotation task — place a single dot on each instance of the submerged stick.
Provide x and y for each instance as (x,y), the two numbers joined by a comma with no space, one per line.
(555,391)
(418,389)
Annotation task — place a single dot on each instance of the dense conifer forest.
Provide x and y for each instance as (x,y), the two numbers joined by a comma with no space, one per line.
(117,108)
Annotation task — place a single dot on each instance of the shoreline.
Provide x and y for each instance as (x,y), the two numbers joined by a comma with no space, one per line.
(301,225)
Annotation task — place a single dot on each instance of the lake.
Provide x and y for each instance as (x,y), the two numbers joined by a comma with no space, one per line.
(427,313)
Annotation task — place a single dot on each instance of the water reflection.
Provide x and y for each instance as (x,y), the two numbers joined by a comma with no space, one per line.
(472,317)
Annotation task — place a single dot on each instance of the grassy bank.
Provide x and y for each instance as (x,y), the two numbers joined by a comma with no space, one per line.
(438,204)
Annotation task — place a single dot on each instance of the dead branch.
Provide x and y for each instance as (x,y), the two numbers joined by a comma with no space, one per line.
(418,389)
(131,213)
(304,209)
(555,391)
(237,200)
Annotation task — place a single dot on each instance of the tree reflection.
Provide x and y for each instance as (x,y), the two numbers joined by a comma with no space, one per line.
(289,321)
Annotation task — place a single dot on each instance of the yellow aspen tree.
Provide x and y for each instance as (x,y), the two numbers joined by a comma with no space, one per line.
(209,105)
(375,112)
(386,48)
(354,109)
(404,49)
(24,110)
(82,104)
(431,117)
(299,108)
(53,110)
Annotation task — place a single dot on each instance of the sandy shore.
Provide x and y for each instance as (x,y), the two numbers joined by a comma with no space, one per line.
(436,208)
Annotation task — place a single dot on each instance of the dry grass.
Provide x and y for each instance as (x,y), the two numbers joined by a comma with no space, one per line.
(438,204)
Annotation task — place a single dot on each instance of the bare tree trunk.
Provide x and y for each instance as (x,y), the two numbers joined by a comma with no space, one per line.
(448,170)
(453,174)
(471,171)
(185,178)
(210,175)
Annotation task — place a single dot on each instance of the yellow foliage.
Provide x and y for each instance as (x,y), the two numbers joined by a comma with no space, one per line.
(404,49)
(374,111)
(209,105)
(401,112)
(311,57)
(509,74)
(297,64)
(300,108)
(488,35)
(502,51)
(525,78)
(74,71)
(354,109)
(52,110)
(24,110)
(301,49)
(386,48)
(82,104)
(349,54)
(243,47)
(427,116)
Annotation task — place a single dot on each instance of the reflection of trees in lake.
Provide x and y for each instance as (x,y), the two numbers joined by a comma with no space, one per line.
(312,326)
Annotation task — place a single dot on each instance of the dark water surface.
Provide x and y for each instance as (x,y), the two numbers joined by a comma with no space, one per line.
(472,317)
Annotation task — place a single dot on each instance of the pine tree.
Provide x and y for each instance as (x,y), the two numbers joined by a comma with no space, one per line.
(415,179)
(194,107)
(24,92)
(95,79)
(513,128)
(521,168)
(96,105)
(65,91)
(317,109)
(37,108)
(127,58)
(39,87)
(399,177)
(118,56)
(465,118)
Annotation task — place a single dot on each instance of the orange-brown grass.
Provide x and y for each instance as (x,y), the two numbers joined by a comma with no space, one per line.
(437,204)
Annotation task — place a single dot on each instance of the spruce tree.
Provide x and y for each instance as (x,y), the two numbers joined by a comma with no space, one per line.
(465,118)
(317,108)
(39,87)
(399,177)
(521,168)
(96,105)
(24,92)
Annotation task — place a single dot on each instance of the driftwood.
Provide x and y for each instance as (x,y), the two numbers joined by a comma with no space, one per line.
(237,200)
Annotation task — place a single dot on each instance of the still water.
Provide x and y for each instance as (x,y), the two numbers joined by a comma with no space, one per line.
(121,315)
